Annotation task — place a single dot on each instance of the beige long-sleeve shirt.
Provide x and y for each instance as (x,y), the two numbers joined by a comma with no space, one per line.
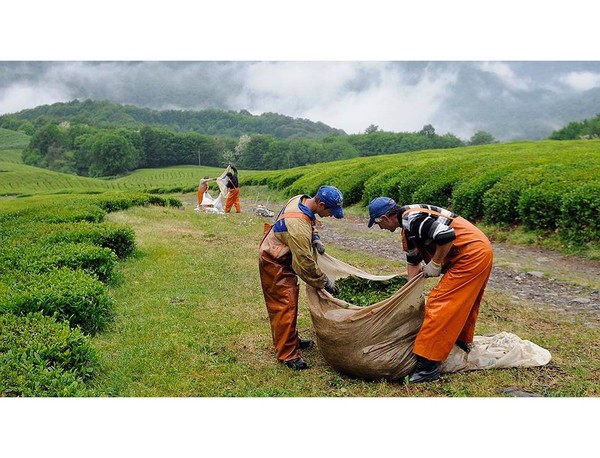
(290,242)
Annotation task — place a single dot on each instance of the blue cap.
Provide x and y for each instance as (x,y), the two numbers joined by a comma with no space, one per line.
(379,207)
(333,199)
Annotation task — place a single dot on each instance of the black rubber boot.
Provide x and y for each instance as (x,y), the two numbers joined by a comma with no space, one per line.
(463,346)
(297,364)
(425,371)
(305,343)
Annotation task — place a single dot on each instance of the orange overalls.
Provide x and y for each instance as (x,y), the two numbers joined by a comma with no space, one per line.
(281,289)
(453,305)
(233,198)
(202,188)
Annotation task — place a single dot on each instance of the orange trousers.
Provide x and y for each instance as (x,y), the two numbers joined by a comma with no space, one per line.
(201,191)
(452,307)
(233,198)
(280,288)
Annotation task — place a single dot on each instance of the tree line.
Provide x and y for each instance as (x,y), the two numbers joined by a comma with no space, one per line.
(101,152)
(100,139)
(586,129)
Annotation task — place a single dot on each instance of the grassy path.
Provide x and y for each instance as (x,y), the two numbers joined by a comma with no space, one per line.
(191,322)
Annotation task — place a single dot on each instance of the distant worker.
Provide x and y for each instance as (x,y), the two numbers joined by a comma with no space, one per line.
(288,251)
(202,188)
(233,196)
(450,246)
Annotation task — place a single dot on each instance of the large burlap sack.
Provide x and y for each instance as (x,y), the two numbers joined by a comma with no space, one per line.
(373,342)
(376,342)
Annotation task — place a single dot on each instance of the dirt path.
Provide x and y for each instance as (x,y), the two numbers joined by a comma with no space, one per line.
(537,276)
(540,277)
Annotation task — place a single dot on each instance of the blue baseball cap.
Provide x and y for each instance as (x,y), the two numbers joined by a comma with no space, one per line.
(379,207)
(333,199)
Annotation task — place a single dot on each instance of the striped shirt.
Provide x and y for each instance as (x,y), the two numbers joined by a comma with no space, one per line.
(425,226)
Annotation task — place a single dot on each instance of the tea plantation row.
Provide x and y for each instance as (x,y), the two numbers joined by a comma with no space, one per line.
(545,185)
(57,256)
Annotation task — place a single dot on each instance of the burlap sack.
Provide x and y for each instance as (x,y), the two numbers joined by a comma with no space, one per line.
(373,342)
(376,342)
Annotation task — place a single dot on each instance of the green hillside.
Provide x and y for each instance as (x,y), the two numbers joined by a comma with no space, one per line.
(19,179)
(546,185)
(11,140)
(11,145)
(209,122)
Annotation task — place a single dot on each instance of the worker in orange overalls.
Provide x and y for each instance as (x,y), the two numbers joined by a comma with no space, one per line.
(233,196)
(289,250)
(202,188)
(450,246)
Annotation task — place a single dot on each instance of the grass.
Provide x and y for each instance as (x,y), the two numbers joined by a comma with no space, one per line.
(11,140)
(191,322)
(191,319)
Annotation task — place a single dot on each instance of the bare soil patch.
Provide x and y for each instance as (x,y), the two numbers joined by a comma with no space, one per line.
(525,274)
(536,276)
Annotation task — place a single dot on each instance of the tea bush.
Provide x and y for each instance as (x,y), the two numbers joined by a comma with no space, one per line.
(467,196)
(439,187)
(42,357)
(539,207)
(38,258)
(68,295)
(579,220)
(119,239)
(501,201)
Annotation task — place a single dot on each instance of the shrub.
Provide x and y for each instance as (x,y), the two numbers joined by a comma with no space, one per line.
(579,220)
(438,189)
(539,206)
(500,202)
(352,184)
(467,196)
(64,212)
(285,180)
(66,294)
(42,357)
(164,201)
(407,182)
(119,239)
(37,258)
(384,184)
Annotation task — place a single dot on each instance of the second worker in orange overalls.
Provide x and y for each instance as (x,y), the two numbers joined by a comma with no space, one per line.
(450,246)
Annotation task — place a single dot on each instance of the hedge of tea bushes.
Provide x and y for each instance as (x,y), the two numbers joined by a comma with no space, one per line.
(37,258)
(545,185)
(57,256)
(41,356)
(72,296)
(117,238)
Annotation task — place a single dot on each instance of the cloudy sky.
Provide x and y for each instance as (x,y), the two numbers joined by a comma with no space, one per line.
(351,95)
(345,64)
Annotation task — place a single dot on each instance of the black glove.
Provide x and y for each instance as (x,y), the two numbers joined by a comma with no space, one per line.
(318,245)
(331,287)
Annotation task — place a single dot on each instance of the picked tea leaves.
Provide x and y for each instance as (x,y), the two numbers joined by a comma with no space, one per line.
(363,292)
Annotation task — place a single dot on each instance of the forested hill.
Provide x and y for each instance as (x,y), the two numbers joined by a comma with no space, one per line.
(209,122)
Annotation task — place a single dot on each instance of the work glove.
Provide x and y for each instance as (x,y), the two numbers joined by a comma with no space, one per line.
(318,245)
(432,269)
(331,287)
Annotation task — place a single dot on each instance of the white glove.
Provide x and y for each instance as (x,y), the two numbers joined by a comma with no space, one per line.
(319,246)
(432,269)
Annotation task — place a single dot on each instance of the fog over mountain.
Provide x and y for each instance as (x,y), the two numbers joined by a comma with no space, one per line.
(511,100)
